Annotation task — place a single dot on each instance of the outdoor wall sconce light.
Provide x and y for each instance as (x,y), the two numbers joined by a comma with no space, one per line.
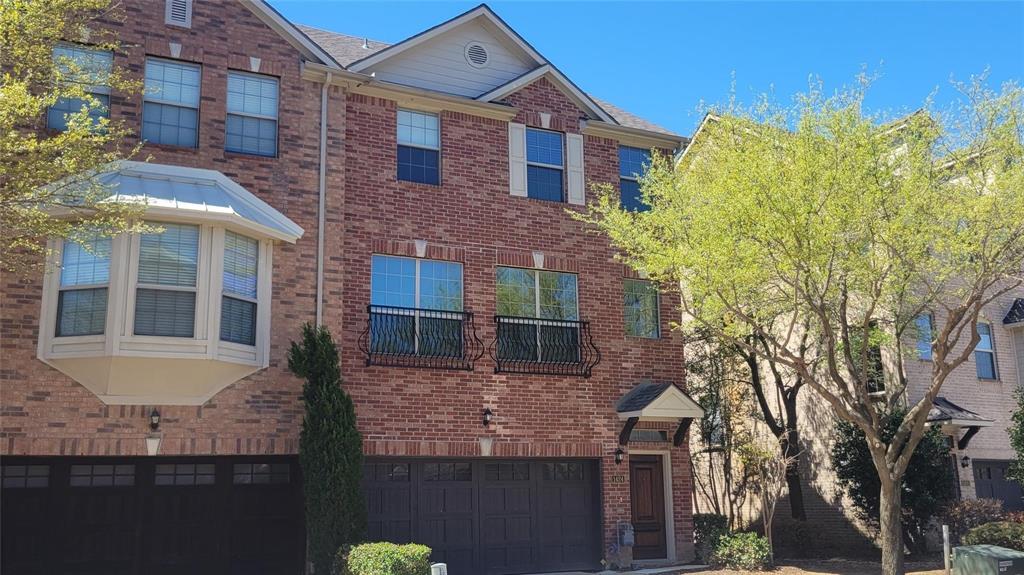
(488,416)
(619,453)
(154,420)
(965,462)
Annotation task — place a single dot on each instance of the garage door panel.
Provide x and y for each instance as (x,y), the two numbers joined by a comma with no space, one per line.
(493,517)
(155,516)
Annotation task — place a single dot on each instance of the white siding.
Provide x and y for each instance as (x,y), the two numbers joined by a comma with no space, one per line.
(440,63)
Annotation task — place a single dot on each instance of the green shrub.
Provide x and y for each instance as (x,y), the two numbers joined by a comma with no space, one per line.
(748,551)
(962,516)
(1001,533)
(387,559)
(708,528)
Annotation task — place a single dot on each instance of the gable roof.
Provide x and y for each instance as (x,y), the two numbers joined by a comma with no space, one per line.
(559,79)
(1016,314)
(289,32)
(481,11)
(343,48)
(658,400)
(357,53)
(945,411)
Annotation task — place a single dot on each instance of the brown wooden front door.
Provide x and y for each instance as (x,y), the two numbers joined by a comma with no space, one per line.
(647,492)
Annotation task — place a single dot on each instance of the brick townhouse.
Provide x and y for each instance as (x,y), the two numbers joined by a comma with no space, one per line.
(520,393)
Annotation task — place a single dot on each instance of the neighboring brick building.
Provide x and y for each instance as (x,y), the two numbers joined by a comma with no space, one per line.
(149,421)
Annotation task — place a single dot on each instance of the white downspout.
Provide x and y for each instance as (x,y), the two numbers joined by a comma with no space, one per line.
(322,201)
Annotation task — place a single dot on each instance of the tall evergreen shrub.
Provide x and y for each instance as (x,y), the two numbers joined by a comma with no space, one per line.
(330,450)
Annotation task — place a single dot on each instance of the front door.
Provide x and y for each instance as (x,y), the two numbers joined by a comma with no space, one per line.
(647,491)
(991,482)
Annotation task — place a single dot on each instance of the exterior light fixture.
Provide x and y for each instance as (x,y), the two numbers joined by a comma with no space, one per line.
(488,416)
(965,462)
(619,453)
(154,419)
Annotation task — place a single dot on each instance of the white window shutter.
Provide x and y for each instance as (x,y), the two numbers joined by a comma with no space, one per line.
(574,164)
(178,13)
(517,159)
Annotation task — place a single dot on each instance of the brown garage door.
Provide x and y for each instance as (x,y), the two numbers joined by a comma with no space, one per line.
(487,516)
(152,516)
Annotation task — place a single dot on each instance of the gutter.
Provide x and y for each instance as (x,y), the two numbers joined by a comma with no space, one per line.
(321,202)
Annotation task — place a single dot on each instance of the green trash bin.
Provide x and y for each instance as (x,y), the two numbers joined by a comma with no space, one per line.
(987,560)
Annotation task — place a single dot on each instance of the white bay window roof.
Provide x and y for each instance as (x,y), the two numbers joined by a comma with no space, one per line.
(175,315)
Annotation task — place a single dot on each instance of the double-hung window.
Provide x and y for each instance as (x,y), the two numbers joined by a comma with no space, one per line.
(415,307)
(419,147)
(90,69)
(165,298)
(170,111)
(985,353)
(84,278)
(545,165)
(238,302)
(641,308)
(251,126)
(538,316)
(632,163)
(923,327)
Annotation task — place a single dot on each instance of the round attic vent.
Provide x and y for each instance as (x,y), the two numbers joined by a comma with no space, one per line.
(476,55)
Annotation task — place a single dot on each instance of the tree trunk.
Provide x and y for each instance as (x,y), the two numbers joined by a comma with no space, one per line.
(796,492)
(890,520)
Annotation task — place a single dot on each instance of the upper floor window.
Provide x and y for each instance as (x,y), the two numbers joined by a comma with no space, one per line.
(89,68)
(632,163)
(545,164)
(923,326)
(170,111)
(84,279)
(537,315)
(985,353)
(251,126)
(238,303)
(419,145)
(641,308)
(165,298)
(415,307)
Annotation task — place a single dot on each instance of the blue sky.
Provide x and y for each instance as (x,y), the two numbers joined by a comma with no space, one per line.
(660,60)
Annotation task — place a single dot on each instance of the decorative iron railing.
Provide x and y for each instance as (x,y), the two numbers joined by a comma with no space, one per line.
(412,337)
(543,346)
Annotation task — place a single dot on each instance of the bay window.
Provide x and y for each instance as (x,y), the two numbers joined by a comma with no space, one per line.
(177,313)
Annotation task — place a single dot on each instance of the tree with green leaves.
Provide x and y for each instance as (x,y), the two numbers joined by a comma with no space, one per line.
(47,177)
(1016,432)
(330,450)
(821,224)
(927,487)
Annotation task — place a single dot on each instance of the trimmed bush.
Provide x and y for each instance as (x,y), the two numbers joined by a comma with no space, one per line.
(708,529)
(747,551)
(1001,533)
(962,516)
(387,559)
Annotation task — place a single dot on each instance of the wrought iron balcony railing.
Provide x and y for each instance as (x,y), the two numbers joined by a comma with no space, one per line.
(543,346)
(411,337)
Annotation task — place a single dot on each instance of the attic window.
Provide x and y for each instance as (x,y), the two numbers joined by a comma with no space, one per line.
(476,55)
(178,13)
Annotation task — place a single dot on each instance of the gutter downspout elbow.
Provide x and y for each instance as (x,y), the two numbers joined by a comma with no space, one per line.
(321,204)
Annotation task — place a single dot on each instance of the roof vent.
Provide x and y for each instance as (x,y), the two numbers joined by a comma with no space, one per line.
(476,55)
(366,43)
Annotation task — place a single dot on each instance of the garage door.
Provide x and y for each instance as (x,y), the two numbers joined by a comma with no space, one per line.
(991,482)
(493,517)
(152,516)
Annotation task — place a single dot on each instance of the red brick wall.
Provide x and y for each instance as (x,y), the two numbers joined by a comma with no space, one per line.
(471,218)
(46,413)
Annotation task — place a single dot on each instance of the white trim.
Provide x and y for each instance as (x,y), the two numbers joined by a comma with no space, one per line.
(575,185)
(670,522)
(481,11)
(517,159)
(656,412)
(708,118)
(560,80)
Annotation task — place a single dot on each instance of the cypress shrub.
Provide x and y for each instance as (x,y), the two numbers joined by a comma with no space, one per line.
(330,450)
